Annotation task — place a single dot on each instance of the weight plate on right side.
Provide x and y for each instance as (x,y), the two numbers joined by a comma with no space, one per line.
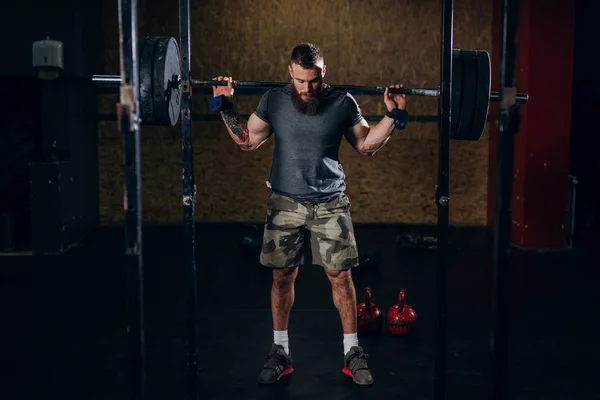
(482,101)
(468,96)
(457,80)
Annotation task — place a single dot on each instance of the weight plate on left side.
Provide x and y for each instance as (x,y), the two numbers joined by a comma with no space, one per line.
(146,66)
(166,91)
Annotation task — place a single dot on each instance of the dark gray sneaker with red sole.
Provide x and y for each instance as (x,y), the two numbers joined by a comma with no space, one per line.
(277,365)
(355,366)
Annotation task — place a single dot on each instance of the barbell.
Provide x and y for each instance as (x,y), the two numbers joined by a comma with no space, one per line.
(160,87)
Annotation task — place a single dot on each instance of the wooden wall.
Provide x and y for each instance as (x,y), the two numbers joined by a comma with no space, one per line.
(251,40)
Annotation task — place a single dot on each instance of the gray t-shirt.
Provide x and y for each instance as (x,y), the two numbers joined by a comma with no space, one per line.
(305,163)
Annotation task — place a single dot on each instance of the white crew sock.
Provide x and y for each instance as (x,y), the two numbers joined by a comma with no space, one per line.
(350,339)
(281,337)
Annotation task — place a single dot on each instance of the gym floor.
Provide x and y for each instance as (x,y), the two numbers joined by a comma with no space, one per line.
(64,317)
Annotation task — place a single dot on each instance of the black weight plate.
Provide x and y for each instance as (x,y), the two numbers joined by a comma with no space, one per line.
(468,95)
(166,75)
(482,101)
(145,67)
(457,79)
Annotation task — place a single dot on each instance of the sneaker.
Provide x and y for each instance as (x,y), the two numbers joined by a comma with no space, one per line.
(356,366)
(278,364)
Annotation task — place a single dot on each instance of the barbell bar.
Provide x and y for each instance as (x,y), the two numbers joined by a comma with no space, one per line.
(160,87)
(521,98)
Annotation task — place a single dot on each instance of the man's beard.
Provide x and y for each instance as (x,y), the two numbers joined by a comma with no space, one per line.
(310,106)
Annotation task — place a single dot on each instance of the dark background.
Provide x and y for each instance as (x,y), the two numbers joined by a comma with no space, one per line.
(396,186)
(61,177)
(585,140)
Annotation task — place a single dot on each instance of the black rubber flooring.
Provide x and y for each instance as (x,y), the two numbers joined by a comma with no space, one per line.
(64,316)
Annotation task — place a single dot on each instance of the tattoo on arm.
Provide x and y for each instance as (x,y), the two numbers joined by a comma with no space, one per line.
(238,126)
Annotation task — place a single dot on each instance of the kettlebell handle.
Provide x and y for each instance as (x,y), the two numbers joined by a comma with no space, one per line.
(368,300)
(401,300)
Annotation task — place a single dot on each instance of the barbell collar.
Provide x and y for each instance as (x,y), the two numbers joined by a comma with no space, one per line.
(520,98)
(116,79)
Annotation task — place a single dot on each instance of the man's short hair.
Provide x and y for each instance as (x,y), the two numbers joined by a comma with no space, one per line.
(307,55)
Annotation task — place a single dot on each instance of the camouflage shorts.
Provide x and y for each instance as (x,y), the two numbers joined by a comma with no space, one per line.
(332,241)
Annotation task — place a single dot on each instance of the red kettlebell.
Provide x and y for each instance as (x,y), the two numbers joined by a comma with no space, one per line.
(368,315)
(401,317)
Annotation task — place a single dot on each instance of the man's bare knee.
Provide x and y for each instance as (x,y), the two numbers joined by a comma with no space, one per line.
(284,276)
(339,277)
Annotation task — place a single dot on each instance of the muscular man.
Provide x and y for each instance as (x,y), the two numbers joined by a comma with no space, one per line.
(306,192)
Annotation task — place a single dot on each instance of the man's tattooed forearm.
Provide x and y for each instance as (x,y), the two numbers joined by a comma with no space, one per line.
(238,126)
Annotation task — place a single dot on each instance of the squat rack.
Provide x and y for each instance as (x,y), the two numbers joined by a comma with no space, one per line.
(128,115)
